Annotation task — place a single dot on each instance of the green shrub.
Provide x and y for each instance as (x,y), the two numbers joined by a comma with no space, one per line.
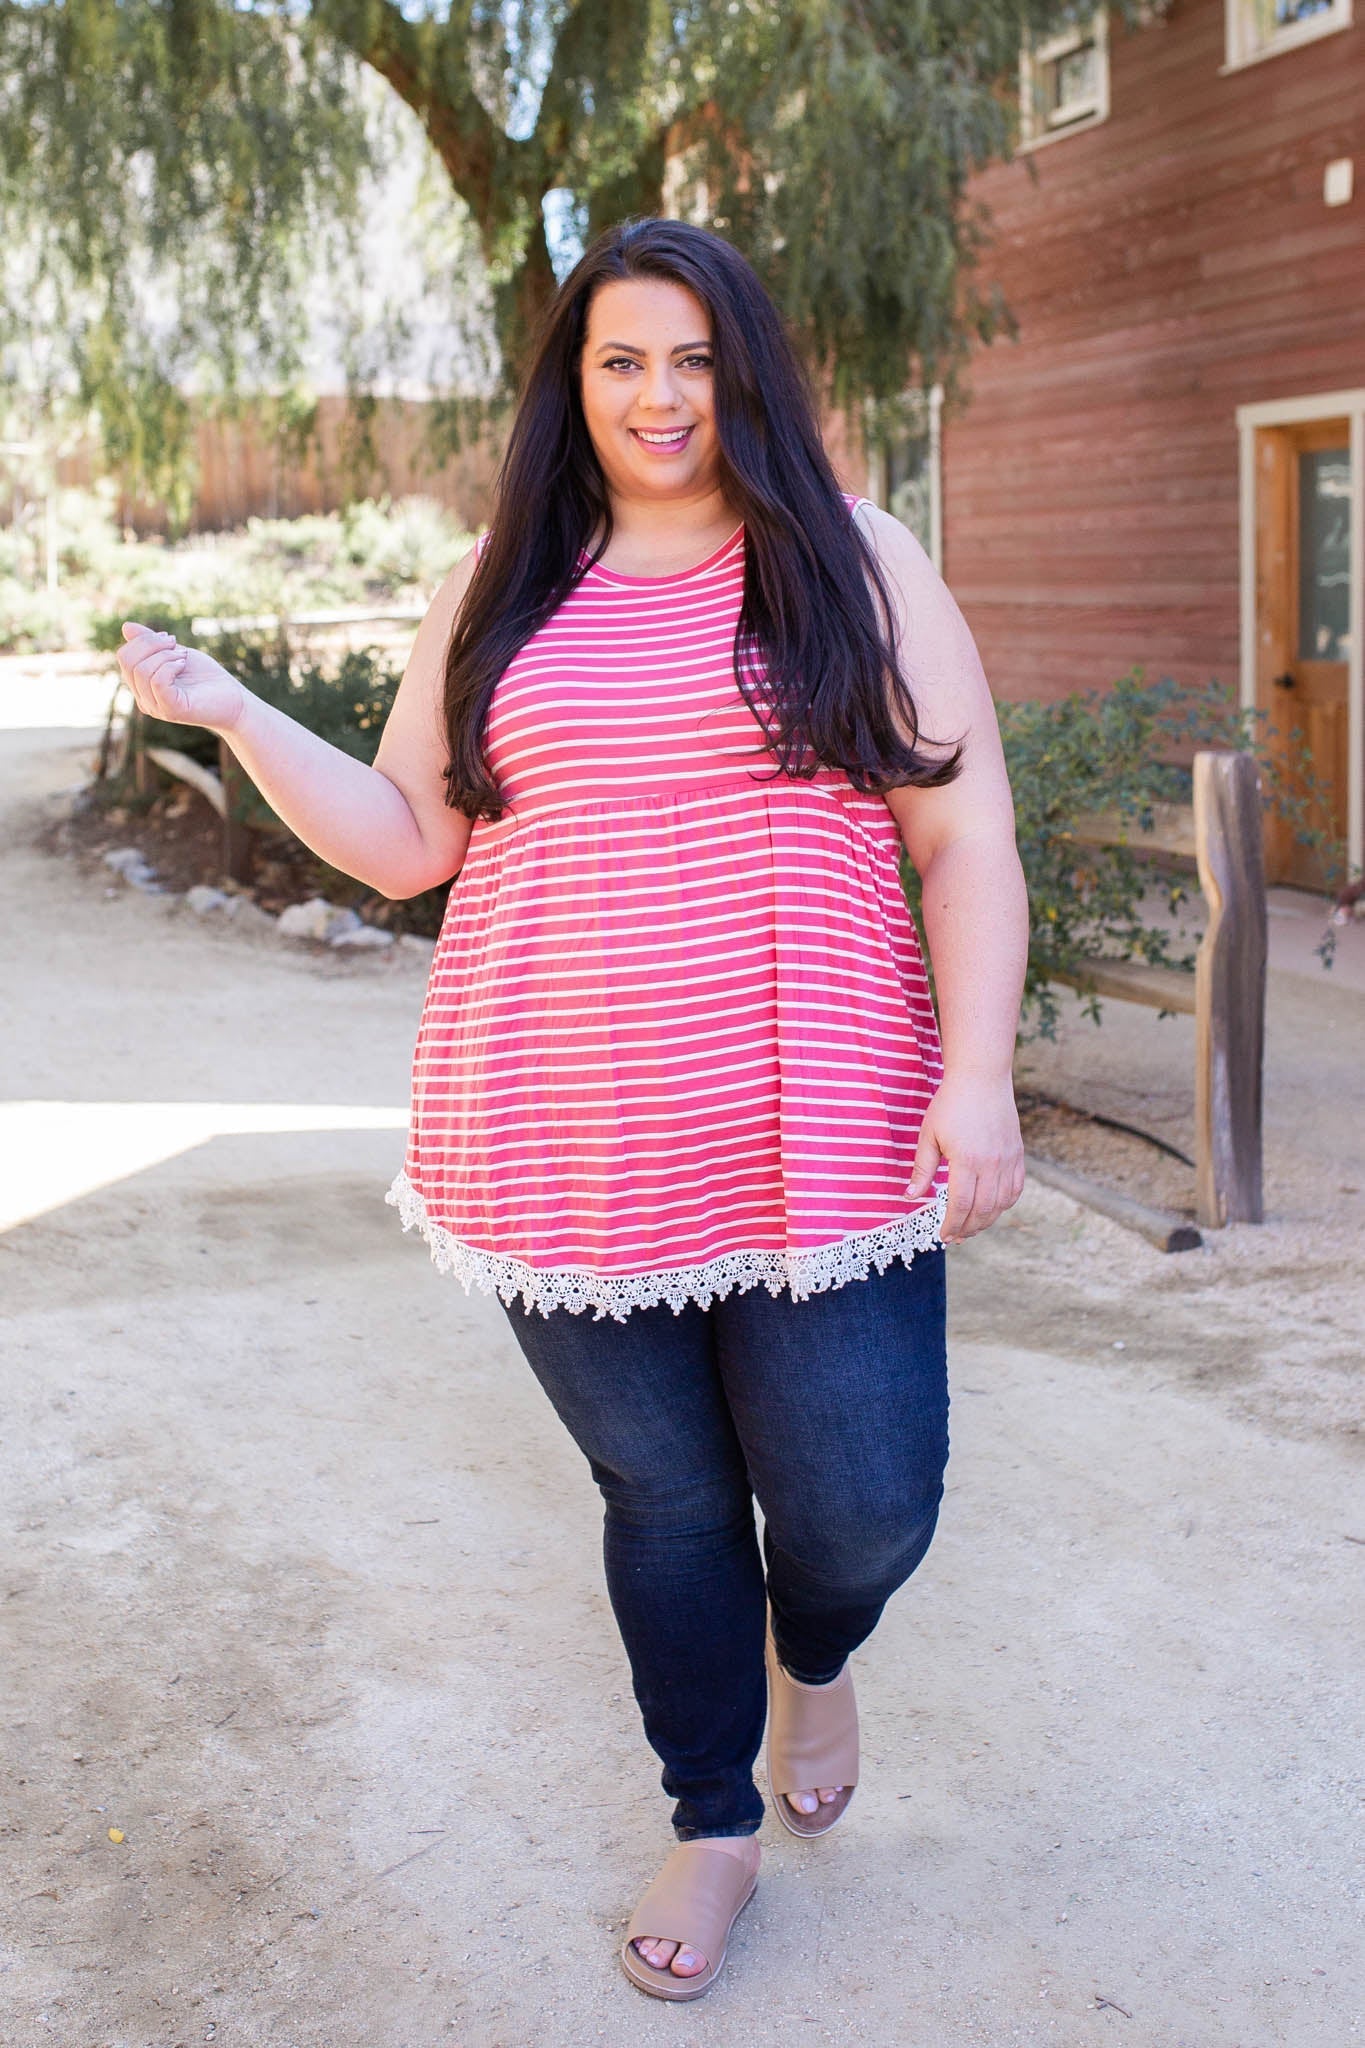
(40,621)
(1123,749)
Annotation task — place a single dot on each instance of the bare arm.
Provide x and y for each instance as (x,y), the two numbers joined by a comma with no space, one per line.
(961,840)
(388,825)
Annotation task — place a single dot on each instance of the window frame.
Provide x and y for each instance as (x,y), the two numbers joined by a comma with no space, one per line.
(1096,30)
(877,483)
(1242,48)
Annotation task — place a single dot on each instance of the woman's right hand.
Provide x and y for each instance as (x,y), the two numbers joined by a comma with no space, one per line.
(180,684)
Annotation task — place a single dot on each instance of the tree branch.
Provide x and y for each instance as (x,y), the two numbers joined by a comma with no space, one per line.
(426,65)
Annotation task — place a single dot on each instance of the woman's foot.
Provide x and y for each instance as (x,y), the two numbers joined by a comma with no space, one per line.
(807,1802)
(823,1795)
(812,1734)
(687,1962)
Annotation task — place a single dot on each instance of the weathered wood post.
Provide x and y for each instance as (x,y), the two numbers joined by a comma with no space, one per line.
(237,848)
(1229,990)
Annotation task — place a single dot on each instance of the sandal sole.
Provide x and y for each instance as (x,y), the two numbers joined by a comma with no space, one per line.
(658,1984)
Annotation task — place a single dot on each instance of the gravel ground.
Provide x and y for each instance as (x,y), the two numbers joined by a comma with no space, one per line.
(319,1734)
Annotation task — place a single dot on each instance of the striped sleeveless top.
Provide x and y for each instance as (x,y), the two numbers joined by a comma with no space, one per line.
(677,1036)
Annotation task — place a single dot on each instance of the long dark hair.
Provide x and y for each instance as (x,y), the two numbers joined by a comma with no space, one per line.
(814,656)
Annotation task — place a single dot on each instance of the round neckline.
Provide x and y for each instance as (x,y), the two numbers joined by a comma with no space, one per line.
(675,576)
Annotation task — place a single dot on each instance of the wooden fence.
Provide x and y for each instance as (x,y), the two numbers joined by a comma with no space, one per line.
(1221,833)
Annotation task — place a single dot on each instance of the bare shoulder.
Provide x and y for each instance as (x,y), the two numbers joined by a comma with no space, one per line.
(907,569)
(446,603)
(892,541)
(934,640)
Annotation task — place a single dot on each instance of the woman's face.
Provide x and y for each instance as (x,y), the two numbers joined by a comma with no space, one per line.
(647,389)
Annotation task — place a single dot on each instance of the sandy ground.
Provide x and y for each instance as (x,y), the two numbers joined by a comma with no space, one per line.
(304,1596)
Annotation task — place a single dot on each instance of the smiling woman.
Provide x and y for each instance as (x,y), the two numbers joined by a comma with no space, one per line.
(649,408)
(678,1063)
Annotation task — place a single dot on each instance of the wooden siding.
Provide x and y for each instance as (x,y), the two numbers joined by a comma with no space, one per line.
(1165,266)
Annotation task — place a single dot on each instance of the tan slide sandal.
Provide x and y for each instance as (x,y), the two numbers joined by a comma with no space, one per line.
(812,1741)
(695,1900)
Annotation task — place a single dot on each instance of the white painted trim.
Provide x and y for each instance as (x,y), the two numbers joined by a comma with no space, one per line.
(877,481)
(1290,412)
(1246,528)
(1241,50)
(1059,46)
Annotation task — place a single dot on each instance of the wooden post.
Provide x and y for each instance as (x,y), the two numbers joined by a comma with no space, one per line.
(1229,990)
(237,847)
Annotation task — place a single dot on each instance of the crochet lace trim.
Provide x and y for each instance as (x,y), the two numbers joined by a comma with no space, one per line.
(616,1294)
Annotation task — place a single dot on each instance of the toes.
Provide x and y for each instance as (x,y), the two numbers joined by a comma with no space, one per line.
(657,1953)
(663,1955)
(807,1802)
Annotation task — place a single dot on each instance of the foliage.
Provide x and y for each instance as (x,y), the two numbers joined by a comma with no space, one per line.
(377,552)
(40,621)
(169,171)
(1123,749)
(161,167)
(345,702)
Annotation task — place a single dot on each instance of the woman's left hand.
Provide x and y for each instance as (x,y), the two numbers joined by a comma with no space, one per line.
(973,1124)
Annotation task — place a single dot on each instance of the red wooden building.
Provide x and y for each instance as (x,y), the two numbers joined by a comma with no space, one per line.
(1168,465)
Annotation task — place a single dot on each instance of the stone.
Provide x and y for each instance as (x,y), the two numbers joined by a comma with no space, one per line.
(363,935)
(248,915)
(121,858)
(419,948)
(306,920)
(128,862)
(201,899)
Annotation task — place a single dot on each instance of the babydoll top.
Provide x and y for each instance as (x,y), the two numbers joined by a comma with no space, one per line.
(677,1036)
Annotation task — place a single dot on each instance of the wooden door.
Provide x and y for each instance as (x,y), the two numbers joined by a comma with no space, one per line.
(1303,583)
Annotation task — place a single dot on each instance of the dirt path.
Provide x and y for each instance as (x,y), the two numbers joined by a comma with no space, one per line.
(304,1594)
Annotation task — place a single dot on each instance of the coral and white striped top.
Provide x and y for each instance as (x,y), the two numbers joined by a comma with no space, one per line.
(677,1036)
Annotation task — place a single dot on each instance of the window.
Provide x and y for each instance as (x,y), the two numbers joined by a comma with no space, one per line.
(904,475)
(1064,82)
(1264,28)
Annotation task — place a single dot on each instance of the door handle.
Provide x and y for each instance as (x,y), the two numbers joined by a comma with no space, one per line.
(1285,682)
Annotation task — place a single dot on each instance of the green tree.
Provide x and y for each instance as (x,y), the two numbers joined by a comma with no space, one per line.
(168,169)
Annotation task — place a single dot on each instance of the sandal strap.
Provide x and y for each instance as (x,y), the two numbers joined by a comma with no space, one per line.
(812,1731)
(693,1900)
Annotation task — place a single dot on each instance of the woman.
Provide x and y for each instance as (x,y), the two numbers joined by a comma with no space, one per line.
(678,1064)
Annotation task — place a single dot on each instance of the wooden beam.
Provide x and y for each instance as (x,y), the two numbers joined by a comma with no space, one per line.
(237,836)
(1167,1232)
(1133,981)
(1230,976)
(1171,831)
(186,769)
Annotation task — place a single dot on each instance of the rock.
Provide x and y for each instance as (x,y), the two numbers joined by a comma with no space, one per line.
(121,858)
(420,949)
(247,914)
(201,899)
(309,920)
(128,862)
(367,935)
(341,921)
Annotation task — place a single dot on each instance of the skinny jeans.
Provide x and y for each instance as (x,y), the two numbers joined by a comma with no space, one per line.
(832,1413)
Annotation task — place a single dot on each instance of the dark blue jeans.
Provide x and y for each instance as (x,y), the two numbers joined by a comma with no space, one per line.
(833,1413)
